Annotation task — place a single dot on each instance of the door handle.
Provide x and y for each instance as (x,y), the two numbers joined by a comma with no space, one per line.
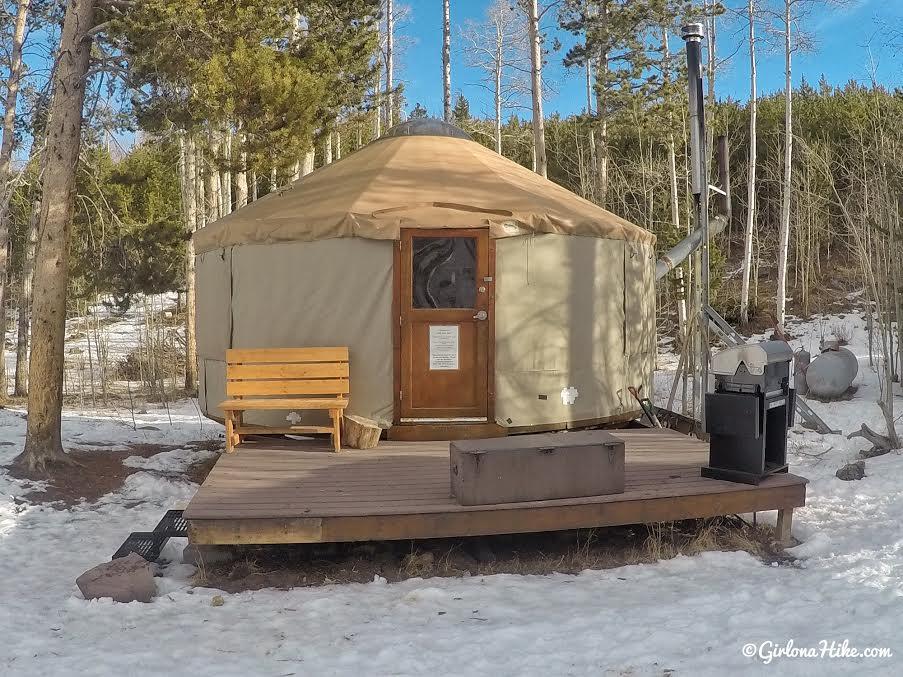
(481,315)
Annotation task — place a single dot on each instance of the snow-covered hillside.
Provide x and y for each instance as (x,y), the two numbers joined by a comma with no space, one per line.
(686,616)
(99,340)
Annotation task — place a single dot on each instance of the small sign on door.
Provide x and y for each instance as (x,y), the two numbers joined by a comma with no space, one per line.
(443,347)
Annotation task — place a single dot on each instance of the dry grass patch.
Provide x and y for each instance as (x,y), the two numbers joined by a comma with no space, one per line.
(257,567)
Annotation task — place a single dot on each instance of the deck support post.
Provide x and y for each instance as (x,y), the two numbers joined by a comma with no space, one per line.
(785,522)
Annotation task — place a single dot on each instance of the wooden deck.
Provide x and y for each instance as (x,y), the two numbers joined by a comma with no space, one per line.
(298,492)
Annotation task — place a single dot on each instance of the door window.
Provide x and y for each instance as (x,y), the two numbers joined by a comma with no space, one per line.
(444,272)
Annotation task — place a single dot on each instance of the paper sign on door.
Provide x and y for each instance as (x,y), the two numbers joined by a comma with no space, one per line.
(443,347)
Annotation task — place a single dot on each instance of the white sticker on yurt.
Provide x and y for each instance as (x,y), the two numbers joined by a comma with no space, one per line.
(443,347)
(569,395)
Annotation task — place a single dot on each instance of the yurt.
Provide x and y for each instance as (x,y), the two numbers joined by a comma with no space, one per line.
(476,297)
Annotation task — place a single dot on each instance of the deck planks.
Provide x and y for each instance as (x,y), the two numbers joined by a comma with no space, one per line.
(291,491)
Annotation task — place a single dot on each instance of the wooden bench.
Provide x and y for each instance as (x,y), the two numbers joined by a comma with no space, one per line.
(284,379)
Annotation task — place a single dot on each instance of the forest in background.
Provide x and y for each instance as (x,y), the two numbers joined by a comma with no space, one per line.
(228,105)
(128,232)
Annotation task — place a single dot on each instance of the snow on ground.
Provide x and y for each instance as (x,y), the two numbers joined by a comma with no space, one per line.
(686,616)
(119,332)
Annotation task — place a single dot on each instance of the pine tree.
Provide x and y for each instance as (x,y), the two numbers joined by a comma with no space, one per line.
(618,39)
(418,112)
(461,111)
(279,72)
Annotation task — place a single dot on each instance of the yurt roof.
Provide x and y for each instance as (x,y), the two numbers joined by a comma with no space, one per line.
(421,174)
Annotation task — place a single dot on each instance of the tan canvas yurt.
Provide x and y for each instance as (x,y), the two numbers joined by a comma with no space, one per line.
(475,296)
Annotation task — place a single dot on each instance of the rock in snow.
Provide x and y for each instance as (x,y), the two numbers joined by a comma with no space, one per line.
(126,579)
(852,471)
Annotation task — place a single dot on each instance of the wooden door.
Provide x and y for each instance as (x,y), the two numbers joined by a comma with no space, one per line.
(445,319)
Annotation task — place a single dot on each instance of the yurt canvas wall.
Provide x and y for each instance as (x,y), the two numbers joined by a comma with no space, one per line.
(574,328)
(570,313)
(324,293)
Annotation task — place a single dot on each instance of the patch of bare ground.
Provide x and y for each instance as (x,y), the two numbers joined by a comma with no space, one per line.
(99,472)
(256,567)
(827,295)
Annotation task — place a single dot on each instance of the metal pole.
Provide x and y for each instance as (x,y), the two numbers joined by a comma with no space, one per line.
(692,35)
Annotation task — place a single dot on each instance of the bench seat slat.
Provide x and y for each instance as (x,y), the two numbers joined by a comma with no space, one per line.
(335,386)
(285,403)
(256,372)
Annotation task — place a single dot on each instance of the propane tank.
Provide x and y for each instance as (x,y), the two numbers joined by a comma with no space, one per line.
(851,362)
(831,374)
(801,360)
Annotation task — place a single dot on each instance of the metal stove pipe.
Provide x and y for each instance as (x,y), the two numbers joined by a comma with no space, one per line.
(675,256)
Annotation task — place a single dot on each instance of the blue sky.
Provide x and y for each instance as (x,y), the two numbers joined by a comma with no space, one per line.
(851,40)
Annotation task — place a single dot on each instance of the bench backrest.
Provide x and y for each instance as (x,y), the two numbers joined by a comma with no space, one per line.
(258,372)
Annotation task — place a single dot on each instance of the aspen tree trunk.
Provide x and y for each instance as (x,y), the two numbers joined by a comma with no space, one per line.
(308,166)
(225,176)
(601,132)
(497,84)
(338,145)
(711,62)
(16,67)
(200,200)
(241,189)
(539,132)
(675,218)
(211,179)
(241,177)
(327,150)
(751,172)
(188,174)
(295,36)
(672,172)
(592,127)
(446,63)
(253,185)
(43,443)
(26,285)
(390,64)
(378,111)
(274,179)
(6,154)
(784,234)
(897,276)
(675,196)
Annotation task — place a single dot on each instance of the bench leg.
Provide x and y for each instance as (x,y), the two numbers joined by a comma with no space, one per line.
(233,438)
(782,530)
(230,447)
(336,415)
